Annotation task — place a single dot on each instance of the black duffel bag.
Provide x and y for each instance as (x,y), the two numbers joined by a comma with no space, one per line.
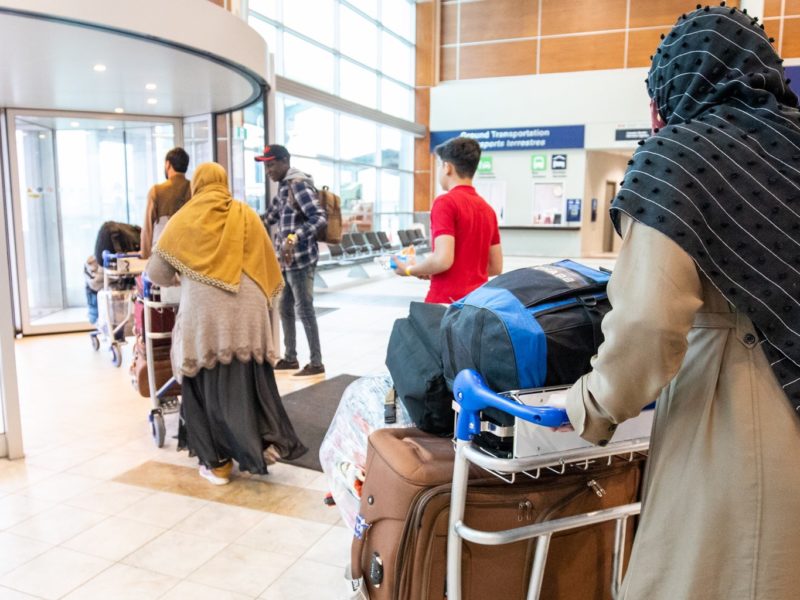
(414,359)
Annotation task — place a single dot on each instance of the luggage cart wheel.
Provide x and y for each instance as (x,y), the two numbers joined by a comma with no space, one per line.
(157,428)
(116,355)
(95,341)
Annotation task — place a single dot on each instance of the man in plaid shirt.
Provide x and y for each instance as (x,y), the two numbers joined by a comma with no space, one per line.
(294,216)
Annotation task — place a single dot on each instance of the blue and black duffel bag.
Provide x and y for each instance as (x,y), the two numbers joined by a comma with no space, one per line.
(532,327)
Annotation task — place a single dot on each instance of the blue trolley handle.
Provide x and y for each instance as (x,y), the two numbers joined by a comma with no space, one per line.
(473,395)
(109,256)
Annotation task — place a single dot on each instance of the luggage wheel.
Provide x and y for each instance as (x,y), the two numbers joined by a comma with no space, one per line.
(95,341)
(157,428)
(116,354)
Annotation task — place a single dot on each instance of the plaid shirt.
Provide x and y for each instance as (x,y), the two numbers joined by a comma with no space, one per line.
(297,212)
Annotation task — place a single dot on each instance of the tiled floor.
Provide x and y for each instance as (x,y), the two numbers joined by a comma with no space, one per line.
(95,510)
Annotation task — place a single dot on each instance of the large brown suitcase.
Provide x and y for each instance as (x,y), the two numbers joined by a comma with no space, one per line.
(162,366)
(400,544)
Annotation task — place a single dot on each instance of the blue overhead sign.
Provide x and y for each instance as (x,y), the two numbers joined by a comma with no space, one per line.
(518,138)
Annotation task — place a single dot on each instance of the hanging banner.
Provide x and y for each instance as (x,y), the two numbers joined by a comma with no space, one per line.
(518,138)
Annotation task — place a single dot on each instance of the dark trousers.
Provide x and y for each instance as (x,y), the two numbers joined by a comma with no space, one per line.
(297,301)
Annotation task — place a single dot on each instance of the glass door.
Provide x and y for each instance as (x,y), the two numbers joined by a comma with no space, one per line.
(72,173)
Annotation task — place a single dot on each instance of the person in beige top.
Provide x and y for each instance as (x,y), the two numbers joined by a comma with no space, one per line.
(165,199)
(706,320)
(230,405)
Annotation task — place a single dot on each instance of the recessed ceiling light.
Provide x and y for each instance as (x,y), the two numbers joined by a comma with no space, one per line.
(150,86)
(75,124)
(42,136)
(119,109)
(152,100)
(111,128)
(99,68)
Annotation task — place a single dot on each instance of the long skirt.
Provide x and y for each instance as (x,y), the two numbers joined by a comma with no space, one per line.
(235,412)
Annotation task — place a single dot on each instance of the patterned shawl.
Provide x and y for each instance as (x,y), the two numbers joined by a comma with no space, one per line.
(721,177)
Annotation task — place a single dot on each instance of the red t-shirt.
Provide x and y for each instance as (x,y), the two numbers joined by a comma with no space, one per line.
(466,216)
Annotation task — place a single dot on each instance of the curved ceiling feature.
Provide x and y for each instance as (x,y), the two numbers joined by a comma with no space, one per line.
(98,56)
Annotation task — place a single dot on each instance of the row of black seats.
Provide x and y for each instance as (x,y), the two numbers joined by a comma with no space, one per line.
(412,237)
(360,244)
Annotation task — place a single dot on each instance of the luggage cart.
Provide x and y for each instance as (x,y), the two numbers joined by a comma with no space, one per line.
(163,398)
(115,302)
(472,396)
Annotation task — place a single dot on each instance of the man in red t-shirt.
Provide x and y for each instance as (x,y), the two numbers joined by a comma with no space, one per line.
(466,240)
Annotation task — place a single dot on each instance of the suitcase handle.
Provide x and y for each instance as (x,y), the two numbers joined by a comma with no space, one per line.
(472,393)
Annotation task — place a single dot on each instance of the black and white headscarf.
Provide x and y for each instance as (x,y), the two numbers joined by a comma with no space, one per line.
(722,176)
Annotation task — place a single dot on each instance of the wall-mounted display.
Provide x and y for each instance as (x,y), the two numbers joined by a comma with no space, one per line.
(548,203)
(574,210)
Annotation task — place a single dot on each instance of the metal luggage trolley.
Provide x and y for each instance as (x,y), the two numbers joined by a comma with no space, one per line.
(163,402)
(472,396)
(115,315)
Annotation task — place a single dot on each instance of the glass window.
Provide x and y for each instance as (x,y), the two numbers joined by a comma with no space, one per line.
(312,18)
(397,149)
(358,84)
(307,63)
(308,129)
(396,99)
(358,186)
(269,33)
(358,140)
(397,58)
(390,199)
(369,7)
(400,17)
(358,37)
(322,171)
(268,8)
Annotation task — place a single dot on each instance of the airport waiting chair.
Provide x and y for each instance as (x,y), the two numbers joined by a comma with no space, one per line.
(384,239)
(349,245)
(374,242)
(403,235)
(360,240)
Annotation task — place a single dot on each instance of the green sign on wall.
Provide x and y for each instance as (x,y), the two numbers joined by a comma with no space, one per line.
(538,163)
(485,166)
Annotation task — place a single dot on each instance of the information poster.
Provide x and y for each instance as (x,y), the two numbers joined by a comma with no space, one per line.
(494,192)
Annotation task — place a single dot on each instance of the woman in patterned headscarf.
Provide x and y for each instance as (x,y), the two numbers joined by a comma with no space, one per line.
(230,408)
(706,319)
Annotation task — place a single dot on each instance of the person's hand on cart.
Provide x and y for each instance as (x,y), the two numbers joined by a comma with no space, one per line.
(559,400)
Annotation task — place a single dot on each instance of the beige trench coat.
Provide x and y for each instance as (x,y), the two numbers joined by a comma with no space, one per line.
(721,507)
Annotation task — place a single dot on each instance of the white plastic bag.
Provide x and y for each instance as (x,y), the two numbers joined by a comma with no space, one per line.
(343,452)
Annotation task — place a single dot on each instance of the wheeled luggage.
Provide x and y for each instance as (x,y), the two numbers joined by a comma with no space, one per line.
(368,404)
(400,537)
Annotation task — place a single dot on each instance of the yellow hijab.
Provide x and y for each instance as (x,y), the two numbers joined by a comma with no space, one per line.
(214,238)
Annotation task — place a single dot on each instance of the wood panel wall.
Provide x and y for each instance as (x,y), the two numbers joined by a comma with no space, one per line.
(497,38)
(427,56)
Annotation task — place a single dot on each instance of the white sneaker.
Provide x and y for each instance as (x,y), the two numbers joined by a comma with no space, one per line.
(209,475)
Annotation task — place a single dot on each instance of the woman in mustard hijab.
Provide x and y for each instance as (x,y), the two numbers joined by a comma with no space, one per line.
(230,409)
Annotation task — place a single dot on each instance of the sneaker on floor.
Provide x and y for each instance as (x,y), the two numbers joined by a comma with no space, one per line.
(310,371)
(283,367)
(218,476)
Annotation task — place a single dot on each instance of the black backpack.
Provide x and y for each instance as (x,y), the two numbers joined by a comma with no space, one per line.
(414,359)
(532,327)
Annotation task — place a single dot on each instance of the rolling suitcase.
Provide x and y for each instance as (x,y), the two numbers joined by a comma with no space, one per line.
(400,539)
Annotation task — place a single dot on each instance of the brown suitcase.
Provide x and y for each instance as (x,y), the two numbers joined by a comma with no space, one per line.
(400,546)
(163,368)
